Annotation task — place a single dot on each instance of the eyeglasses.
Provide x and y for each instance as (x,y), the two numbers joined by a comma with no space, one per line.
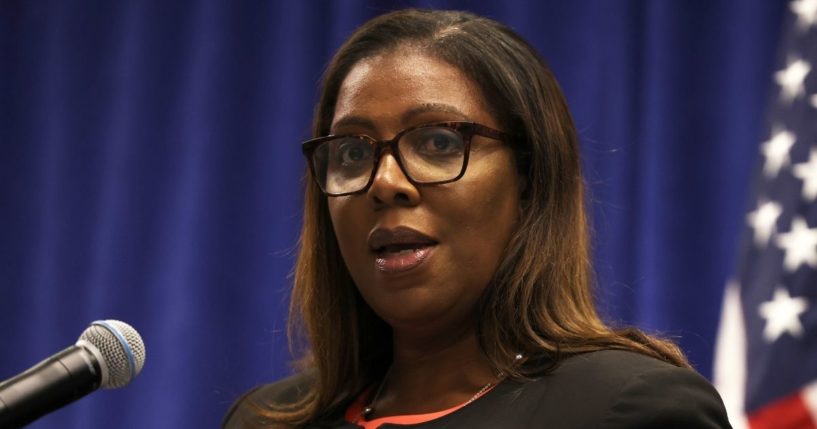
(427,154)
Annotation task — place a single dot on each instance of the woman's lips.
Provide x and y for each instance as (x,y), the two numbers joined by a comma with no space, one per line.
(399,249)
(393,262)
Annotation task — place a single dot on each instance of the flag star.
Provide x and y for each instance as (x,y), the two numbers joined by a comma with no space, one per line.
(800,245)
(806,11)
(763,221)
(807,172)
(782,315)
(776,151)
(791,79)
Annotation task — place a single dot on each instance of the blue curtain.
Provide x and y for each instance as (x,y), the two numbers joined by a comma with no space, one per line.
(150,171)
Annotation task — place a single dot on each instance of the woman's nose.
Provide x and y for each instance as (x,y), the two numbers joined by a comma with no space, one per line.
(390,186)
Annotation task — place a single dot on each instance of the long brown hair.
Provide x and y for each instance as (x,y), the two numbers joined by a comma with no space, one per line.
(540,301)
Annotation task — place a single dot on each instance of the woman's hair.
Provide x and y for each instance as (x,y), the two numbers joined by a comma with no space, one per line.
(540,303)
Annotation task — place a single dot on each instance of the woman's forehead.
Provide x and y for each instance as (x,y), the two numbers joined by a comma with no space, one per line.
(403,86)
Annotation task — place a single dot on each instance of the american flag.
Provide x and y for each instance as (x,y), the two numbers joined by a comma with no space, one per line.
(766,358)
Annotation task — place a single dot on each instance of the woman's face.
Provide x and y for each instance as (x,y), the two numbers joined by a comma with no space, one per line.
(422,255)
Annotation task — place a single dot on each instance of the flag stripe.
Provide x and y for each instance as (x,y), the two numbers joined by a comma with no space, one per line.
(810,398)
(787,413)
(730,356)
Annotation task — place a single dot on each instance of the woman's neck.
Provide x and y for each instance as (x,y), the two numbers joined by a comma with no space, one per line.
(433,373)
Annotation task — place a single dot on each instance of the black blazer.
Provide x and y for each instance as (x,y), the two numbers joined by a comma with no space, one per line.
(600,390)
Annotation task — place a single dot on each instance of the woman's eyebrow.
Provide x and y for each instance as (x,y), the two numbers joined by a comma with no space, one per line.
(408,115)
(405,118)
(352,121)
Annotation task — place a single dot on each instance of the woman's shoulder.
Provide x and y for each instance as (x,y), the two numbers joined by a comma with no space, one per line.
(614,365)
(286,391)
(622,389)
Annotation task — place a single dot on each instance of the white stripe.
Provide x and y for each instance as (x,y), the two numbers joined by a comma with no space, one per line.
(810,398)
(730,357)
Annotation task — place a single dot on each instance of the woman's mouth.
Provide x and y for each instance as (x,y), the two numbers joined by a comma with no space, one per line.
(399,249)
(399,258)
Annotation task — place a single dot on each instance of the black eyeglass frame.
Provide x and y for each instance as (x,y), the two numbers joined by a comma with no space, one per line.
(466,130)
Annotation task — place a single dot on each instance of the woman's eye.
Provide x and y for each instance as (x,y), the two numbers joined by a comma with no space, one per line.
(440,142)
(354,151)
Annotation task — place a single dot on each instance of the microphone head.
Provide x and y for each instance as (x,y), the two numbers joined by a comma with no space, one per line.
(118,348)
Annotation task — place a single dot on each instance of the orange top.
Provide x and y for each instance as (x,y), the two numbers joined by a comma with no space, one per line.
(355,410)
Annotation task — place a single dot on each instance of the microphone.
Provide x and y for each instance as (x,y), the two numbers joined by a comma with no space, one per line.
(108,354)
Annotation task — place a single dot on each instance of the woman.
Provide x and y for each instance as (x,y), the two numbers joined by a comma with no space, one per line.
(443,278)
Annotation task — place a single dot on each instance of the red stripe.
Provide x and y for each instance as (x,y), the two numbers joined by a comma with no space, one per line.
(787,413)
